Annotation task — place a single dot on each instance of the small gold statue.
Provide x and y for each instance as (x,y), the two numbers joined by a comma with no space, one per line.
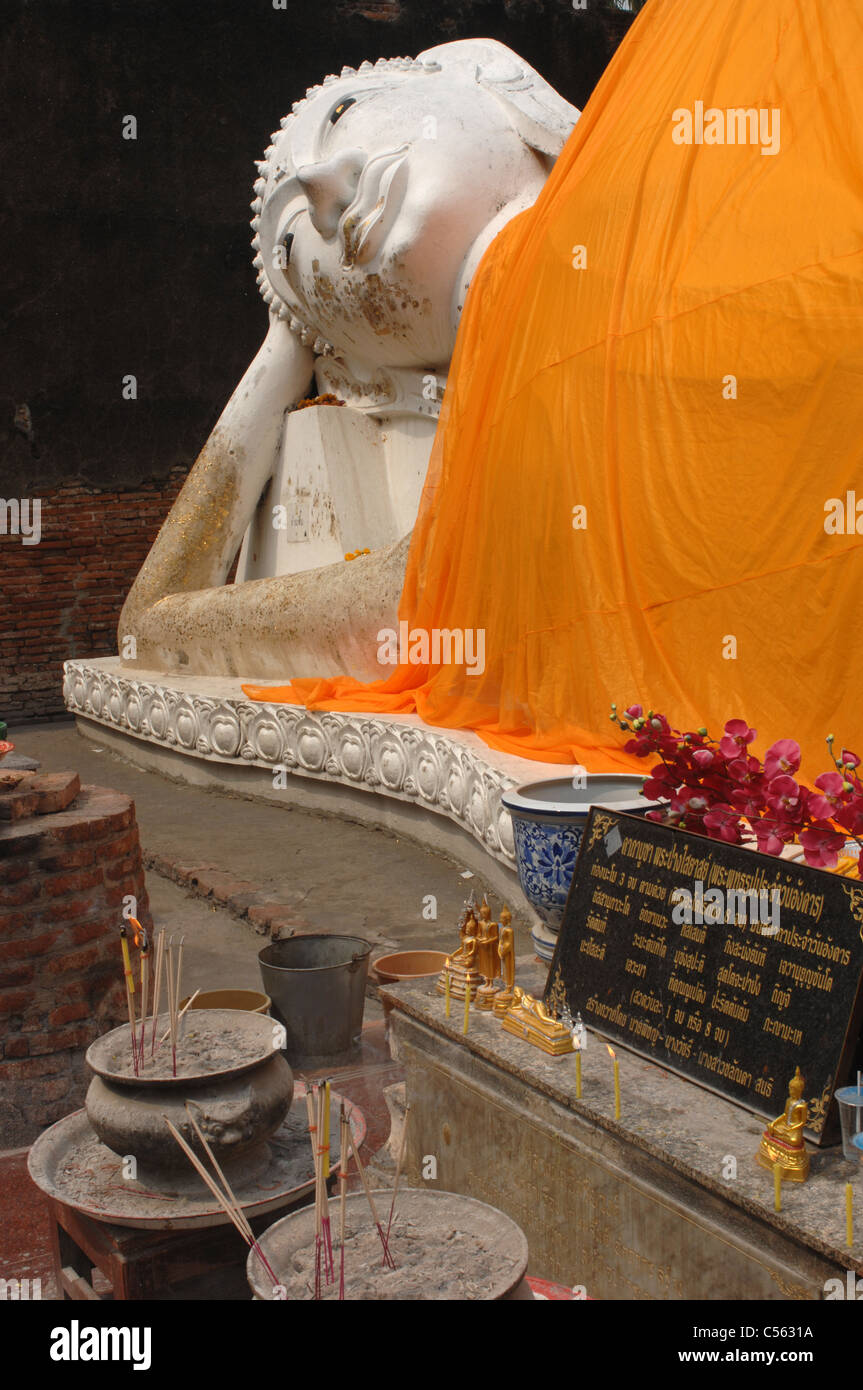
(488,960)
(782,1140)
(505,997)
(462,965)
(529,1018)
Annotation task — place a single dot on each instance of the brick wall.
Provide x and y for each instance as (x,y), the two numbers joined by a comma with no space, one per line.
(62,598)
(63,878)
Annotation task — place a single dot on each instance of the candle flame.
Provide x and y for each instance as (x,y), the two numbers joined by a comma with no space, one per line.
(610,1050)
(139,936)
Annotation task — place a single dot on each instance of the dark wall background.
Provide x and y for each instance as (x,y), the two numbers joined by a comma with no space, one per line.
(126,256)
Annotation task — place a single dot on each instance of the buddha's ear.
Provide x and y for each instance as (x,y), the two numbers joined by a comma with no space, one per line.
(540,115)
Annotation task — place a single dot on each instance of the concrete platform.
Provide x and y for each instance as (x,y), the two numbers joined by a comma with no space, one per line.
(666,1203)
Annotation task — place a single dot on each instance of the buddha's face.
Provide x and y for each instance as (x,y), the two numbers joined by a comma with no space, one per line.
(378,193)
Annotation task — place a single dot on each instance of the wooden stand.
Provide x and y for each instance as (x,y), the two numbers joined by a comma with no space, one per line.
(208,1262)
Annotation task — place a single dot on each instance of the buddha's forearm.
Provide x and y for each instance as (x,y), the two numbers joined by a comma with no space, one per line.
(200,538)
(318,622)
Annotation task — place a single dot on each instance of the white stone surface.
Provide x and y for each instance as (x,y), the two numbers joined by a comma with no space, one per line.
(448,772)
(344,481)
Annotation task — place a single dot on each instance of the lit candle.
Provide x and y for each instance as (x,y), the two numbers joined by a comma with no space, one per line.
(447,986)
(616,1082)
(578,1074)
(466,1005)
(777,1186)
(327,1130)
(849,1214)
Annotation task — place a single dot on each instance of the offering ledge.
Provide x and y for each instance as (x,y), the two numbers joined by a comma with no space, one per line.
(665,1203)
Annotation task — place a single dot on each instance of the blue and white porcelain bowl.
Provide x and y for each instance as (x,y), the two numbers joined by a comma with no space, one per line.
(548,820)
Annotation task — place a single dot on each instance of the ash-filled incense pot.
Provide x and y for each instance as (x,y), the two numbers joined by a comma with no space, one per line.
(228,1067)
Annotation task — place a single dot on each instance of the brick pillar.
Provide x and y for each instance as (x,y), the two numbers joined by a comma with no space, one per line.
(63,878)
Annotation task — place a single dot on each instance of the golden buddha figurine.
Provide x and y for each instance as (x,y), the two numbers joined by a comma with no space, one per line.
(782,1140)
(504,998)
(529,1018)
(467,927)
(488,960)
(461,966)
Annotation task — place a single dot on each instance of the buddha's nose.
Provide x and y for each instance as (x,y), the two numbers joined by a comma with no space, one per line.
(331,188)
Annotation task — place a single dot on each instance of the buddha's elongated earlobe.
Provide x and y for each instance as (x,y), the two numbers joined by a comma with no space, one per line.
(199,540)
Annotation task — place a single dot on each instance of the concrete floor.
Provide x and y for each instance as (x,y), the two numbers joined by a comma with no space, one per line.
(341,877)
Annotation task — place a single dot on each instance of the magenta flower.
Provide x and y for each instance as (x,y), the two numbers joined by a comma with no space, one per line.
(832,784)
(783,756)
(690,800)
(723,823)
(785,795)
(744,770)
(769,842)
(821,846)
(737,736)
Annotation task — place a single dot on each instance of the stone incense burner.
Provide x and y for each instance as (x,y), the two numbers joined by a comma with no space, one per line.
(229,1069)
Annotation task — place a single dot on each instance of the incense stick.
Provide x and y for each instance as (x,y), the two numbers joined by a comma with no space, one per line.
(313,1135)
(402,1147)
(130,993)
(157,987)
(172,1003)
(325,1139)
(215,1162)
(178,993)
(145,982)
(343,1184)
(241,1225)
(180,1016)
(388,1260)
(326,1233)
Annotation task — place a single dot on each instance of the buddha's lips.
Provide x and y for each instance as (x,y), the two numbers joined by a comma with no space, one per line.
(366,211)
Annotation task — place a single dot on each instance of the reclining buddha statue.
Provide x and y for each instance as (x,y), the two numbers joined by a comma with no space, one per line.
(373,206)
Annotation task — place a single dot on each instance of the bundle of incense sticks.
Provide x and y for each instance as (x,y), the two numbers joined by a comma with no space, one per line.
(402,1148)
(323,1097)
(226,1199)
(315,1099)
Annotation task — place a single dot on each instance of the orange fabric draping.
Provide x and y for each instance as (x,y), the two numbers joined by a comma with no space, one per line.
(692,378)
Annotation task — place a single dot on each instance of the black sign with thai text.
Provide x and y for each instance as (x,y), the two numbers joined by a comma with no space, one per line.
(725,965)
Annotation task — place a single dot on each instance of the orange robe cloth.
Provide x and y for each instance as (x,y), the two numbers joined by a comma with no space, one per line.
(671,339)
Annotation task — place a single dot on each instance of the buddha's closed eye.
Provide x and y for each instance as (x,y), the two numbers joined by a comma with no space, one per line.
(337,113)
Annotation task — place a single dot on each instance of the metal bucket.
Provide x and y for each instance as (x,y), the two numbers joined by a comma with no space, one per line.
(318,987)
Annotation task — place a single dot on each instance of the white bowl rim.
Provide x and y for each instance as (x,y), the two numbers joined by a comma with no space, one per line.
(514,798)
